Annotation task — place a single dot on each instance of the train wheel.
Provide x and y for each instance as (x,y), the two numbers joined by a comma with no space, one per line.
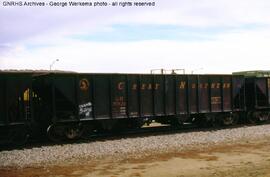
(54,134)
(235,118)
(147,121)
(229,119)
(252,118)
(138,123)
(206,121)
(88,130)
(260,116)
(177,122)
(73,132)
(268,116)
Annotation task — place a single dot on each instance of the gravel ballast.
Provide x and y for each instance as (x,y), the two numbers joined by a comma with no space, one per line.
(139,146)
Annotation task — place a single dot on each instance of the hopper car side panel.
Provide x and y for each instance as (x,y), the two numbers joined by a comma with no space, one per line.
(257,99)
(238,83)
(192,94)
(261,93)
(210,93)
(133,95)
(65,97)
(102,97)
(57,98)
(43,104)
(159,96)
(204,94)
(146,96)
(250,93)
(257,93)
(85,97)
(227,93)
(181,94)
(215,93)
(118,96)
(170,95)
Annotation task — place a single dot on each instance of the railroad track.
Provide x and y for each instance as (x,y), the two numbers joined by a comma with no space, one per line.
(132,133)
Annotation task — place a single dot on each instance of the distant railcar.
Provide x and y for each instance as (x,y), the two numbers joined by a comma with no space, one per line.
(258,98)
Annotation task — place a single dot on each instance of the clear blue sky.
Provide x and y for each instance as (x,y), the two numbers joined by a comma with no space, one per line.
(219,36)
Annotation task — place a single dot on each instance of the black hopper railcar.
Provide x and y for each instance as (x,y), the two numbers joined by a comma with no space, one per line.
(69,104)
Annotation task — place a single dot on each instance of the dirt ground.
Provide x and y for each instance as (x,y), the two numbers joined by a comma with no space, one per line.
(245,158)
